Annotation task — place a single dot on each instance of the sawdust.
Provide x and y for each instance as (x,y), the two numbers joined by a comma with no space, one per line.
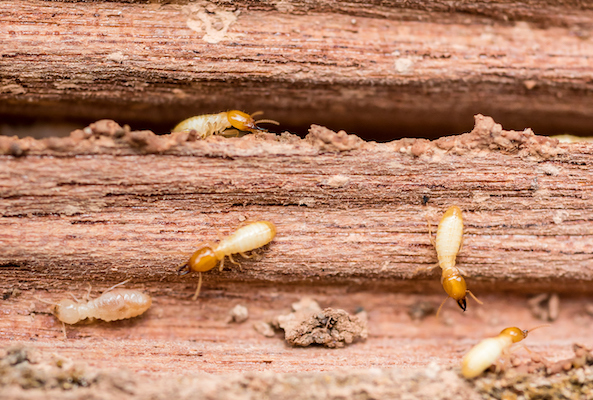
(328,140)
(238,314)
(545,306)
(210,19)
(308,324)
(541,379)
(28,373)
(108,137)
(487,136)
(25,367)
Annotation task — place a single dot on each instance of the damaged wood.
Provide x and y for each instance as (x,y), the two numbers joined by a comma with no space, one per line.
(95,206)
(26,373)
(388,67)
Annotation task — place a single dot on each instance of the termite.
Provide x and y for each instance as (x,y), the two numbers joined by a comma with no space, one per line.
(488,351)
(448,245)
(113,304)
(246,238)
(212,124)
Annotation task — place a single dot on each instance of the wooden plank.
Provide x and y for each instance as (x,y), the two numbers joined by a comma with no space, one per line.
(108,204)
(362,67)
(351,217)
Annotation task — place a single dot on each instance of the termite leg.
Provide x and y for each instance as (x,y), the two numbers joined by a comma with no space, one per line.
(230,133)
(427,269)
(441,306)
(234,262)
(199,287)
(245,255)
(64,330)
(430,231)
(474,297)
(87,297)
(221,267)
(519,347)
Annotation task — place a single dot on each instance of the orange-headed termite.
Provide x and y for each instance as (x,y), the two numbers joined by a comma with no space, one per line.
(246,238)
(212,124)
(448,244)
(488,351)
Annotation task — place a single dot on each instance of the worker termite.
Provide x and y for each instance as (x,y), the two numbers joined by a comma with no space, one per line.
(448,245)
(246,238)
(488,351)
(113,304)
(212,124)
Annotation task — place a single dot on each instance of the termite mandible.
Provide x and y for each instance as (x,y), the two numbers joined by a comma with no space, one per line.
(246,238)
(448,245)
(485,353)
(212,124)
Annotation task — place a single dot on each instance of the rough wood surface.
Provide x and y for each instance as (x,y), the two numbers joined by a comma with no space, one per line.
(354,217)
(385,67)
(107,204)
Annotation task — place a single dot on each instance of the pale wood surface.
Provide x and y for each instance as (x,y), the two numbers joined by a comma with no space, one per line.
(388,67)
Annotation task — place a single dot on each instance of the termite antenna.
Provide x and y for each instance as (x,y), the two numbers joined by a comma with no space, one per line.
(45,301)
(259,112)
(119,284)
(74,297)
(267,121)
(441,306)
(537,327)
(199,287)
(475,298)
(183,269)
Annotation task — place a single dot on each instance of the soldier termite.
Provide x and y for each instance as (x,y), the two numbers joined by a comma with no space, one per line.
(246,238)
(448,245)
(212,124)
(488,351)
(113,304)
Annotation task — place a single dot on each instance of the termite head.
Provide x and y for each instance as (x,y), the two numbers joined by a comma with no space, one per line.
(204,259)
(67,311)
(515,334)
(245,122)
(456,288)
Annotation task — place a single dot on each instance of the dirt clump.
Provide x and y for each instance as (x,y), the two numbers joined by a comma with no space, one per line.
(308,324)
(539,378)
(24,367)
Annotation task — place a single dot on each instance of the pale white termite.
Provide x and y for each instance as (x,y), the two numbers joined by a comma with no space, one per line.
(488,351)
(112,305)
(448,244)
(212,124)
(246,238)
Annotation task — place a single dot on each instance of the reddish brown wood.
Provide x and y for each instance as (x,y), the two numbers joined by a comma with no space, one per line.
(381,67)
(106,204)
(350,217)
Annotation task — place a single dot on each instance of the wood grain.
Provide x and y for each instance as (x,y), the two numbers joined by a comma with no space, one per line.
(107,204)
(381,67)
(355,217)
